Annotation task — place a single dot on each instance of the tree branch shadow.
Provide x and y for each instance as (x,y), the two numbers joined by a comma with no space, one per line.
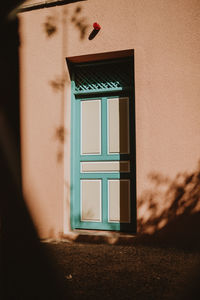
(52,23)
(171,210)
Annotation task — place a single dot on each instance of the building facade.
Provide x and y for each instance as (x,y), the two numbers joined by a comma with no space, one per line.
(110,129)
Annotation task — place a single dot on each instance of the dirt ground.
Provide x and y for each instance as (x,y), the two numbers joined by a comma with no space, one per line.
(102,271)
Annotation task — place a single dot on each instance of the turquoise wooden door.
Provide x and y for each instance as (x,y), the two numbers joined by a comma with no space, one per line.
(102,161)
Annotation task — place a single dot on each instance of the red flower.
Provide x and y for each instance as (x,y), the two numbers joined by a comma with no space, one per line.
(96,26)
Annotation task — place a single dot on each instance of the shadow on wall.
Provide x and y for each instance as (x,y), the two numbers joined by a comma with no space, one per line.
(80,22)
(51,26)
(170,210)
(51,23)
(27,271)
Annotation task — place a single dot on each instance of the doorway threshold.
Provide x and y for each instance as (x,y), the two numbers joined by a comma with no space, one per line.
(99,237)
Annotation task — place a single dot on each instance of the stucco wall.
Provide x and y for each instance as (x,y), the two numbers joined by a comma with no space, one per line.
(165,36)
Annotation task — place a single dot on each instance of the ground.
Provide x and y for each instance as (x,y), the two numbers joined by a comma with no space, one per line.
(102,271)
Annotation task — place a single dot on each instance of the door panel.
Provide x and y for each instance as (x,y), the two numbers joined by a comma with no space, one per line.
(91,200)
(91,127)
(105,166)
(119,200)
(118,124)
(103,177)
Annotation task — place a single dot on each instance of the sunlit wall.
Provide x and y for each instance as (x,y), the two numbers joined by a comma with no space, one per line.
(165,36)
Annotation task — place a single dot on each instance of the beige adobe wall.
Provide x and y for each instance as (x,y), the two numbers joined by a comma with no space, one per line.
(42,119)
(165,35)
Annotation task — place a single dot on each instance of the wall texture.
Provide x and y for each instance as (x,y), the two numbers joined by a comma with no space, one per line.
(165,36)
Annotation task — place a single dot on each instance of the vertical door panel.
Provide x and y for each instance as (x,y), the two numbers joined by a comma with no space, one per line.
(119,200)
(91,127)
(91,200)
(118,123)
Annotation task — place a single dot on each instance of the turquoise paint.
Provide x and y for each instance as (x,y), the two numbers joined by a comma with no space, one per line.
(102,91)
(72,190)
(99,157)
(104,200)
(76,158)
(102,175)
(104,126)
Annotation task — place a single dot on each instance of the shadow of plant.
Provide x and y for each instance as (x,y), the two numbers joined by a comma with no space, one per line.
(51,23)
(50,26)
(60,135)
(171,209)
(58,83)
(80,22)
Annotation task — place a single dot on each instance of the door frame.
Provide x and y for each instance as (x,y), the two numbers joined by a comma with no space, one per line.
(75,155)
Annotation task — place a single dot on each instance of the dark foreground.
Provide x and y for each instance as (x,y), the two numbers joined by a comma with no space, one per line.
(91,271)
